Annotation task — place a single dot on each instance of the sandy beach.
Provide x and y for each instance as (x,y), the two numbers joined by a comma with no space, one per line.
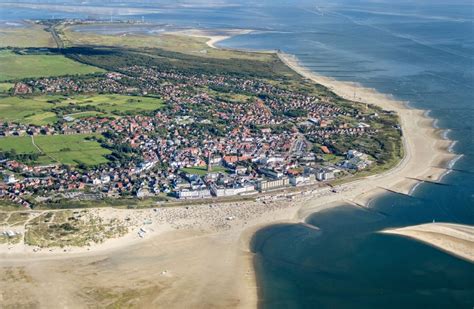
(455,239)
(196,251)
(426,152)
(199,256)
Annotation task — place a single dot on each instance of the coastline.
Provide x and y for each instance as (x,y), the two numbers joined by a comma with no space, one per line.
(416,125)
(213,36)
(237,282)
(197,250)
(455,239)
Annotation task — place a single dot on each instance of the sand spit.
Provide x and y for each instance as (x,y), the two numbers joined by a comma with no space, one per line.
(455,239)
(214,36)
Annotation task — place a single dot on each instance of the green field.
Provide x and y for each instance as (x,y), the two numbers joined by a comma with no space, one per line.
(65,149)
(115,104)
(13,66)
(4,87)
(38,110)
(201,171)
(21,144)
(30,110)
(332,158)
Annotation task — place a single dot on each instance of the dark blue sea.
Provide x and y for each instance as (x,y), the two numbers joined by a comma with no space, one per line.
(418,51)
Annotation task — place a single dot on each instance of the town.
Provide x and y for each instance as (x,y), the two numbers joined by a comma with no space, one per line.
(216,135)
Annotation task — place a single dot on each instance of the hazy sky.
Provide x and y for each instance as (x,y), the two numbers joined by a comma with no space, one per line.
(250,2)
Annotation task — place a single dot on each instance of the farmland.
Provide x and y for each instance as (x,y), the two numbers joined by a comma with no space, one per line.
(38,110)
(15,66)
(65,149)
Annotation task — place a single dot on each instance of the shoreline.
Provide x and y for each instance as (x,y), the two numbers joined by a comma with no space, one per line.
(213,36)
(190,245)
(454,239)
(424,149)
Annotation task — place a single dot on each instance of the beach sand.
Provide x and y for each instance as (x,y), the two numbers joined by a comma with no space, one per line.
(455,239)
(196,257)
(191,257)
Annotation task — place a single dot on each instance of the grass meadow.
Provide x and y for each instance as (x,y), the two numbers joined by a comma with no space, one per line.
(65,149)
(38,109)
(14,66)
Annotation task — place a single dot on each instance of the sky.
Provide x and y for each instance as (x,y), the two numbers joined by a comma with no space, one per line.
(247,2)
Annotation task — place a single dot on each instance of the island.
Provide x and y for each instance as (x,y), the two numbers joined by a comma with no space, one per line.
(152,160)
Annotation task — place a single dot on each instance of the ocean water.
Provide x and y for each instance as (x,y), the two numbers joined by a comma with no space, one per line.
(420,54)
(418,51)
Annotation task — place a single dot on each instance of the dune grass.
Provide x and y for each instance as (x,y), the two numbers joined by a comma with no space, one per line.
(71,228)
(176,42)
(28,35)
